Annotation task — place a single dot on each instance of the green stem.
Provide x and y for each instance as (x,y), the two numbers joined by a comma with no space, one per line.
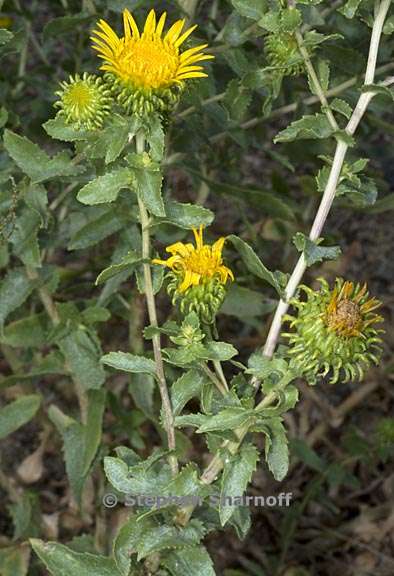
(212,376)
(216,363)
(315,81)
(156,340)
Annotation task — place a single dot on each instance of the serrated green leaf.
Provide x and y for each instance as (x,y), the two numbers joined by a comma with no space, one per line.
(14,561)
(129,363)
(36,198)
(237,99)
(98,227)
(227,419)
(83,358)
(35,162)
(313,252)
(24,238)
(323,71)
(186,483)
(93,427)
(80,442)
(378,89)
(150,477)
(236,476)
(66,24)
(126,541)
(221,351)
(155,136)
(58,129)
(148,180)
(241,521)
(26,332)
(193,561)
(185,388)
(26,516)
(119,134)
(3,116)
(105,188)
(314,126)
(388,27)
(350,8)
(5,36)
(253,9)
(187,216)
(195,420)
(118,475)
(270,22)
(158,273)
(14,290)
(17,413)
(128,262)
(245,303)
(342,107)
(261,366)
(62,561)
(253,262)
(277,451)
(167,537)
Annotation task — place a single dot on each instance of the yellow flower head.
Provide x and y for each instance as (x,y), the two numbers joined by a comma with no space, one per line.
(149,61)
(195,265)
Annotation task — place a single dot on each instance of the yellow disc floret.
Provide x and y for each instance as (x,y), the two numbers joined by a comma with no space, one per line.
(198,275)
(149,62)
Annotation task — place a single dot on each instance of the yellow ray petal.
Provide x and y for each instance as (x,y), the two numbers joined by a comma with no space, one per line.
(185,55)
(160,24)
(174,31)
(127,17)
(185,69)
(158,261)
(106,28)
(185,35)
(150,24)
(196,58)
(198,236)
(192,75)
(182,249)
(218,245)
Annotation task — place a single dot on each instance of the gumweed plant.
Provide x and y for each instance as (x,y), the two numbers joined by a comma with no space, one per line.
(120,120)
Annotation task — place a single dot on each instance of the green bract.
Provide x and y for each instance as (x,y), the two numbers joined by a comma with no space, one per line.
(84,101)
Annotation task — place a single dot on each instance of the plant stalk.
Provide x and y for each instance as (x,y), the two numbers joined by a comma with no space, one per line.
(156,340)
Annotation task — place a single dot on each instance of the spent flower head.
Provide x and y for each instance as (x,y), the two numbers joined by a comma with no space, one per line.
(148,68)
(334,330)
